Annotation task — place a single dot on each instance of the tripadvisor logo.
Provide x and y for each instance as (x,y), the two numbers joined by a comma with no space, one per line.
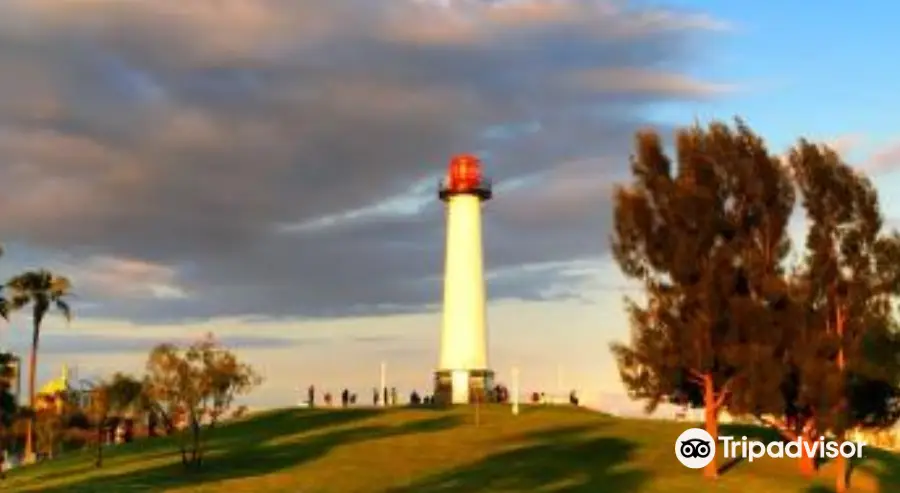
(695,448)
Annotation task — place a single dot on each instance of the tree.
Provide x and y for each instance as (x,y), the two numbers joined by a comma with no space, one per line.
(852,271)
(127,395)
(8,405)
(43,290)
(707,242)
(48,430)
(98,413)
(4,303)
(200,381)
(226,378)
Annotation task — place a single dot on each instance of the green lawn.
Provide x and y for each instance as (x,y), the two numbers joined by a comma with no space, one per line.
(400,451)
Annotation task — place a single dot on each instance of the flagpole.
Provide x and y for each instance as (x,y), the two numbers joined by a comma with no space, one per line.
(383,382)
(515,391)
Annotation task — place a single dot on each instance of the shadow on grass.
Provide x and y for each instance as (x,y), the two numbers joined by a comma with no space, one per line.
(242,450)
(740,431)
(820,488)
(884,466)
(565,460)
(261,428)
(729,464)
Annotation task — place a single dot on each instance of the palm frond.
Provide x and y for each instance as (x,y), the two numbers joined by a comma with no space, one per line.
(40,287)
(59,285)
(63,307)
(18,301)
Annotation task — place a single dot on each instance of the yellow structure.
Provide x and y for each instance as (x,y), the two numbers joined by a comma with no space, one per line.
(53,393)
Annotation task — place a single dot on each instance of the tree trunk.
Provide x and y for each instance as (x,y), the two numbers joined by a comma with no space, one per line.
(32,380)
(100,437)
(181,446)
(840,484)
(711,416)
(195,453)
(809,464)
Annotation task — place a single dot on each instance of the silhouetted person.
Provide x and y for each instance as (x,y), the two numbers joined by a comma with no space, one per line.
(573,398)
(112,426)
(152,423)
(375,396)
(328,399)
(128,433)
(345,398)
(352,399)
(414,398)
(393,396)
(311,395)
(386,400)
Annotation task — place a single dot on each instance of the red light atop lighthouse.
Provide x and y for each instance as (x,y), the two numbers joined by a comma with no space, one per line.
(464,176)
(464,172)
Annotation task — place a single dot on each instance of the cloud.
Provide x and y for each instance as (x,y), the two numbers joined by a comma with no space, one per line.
(617,80)
(885,159)
(74,341)
(186,160)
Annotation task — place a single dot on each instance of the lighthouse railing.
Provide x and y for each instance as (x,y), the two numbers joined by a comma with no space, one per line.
(483,188)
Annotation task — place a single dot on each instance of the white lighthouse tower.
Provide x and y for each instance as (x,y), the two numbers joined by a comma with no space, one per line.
(463,374)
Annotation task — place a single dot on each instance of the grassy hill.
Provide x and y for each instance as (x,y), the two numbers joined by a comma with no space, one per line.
(411,451)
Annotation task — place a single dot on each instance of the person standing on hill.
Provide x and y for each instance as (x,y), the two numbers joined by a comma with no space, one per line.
(311,396)
(375,396)
(345,398)
(393,396)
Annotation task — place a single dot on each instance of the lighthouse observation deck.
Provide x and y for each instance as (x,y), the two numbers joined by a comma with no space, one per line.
(464,177)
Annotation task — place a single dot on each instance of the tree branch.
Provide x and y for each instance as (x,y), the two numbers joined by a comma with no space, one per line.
(695,376)
(724,392)
(778,425)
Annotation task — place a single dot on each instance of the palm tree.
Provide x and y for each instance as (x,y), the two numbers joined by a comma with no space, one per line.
(4,304)
(43,290)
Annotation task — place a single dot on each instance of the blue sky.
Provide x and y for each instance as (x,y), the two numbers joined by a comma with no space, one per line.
(816,70)
(205,168)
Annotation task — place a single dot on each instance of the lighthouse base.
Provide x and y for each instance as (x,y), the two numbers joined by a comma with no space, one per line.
(462,386)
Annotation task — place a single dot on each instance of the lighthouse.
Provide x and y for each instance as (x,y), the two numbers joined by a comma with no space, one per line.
(463,375)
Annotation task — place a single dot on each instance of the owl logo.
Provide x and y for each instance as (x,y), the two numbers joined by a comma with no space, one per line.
(695,448)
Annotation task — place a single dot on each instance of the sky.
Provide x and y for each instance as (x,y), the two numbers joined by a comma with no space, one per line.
(265,169)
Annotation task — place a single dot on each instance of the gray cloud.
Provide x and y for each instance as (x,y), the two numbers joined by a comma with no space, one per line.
(68,344)
(162,146)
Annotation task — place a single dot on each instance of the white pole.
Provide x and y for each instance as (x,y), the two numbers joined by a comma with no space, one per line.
(383,382)
(515,391)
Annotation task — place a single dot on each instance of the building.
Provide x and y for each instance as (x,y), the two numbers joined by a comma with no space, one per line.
(463,375)
(60,391)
